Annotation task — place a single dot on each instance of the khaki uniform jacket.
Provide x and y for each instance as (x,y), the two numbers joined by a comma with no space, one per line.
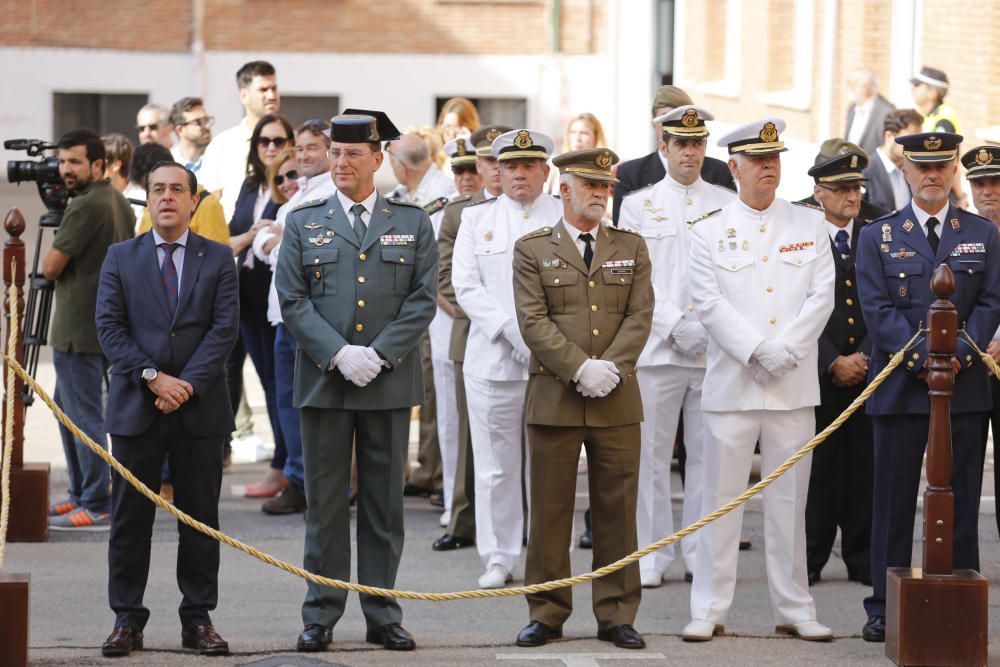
(452,218)
(336,290)
(569,314)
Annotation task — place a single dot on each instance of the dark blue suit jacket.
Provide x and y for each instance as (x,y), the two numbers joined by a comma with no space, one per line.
(136,332)
(255,283)
(894,284)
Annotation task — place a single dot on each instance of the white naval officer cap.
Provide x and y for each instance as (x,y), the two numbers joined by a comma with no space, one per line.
(461,151)
(522,144)
(761,137)
(685,121)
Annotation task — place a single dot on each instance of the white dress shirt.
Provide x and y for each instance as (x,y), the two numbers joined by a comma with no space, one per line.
(178,255)
(862,113)
(833,229)
(347,203)
(922,216)
(224,165)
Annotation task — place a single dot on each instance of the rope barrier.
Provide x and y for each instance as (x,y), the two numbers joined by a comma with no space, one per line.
(988,360)
(216,534)
(8,432)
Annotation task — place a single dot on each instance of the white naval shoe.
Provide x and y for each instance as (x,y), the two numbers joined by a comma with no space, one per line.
(811,631)
(701,631)
(495,577)
(650,578)
(445,519)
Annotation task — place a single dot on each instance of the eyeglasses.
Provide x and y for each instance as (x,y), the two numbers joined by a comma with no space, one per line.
(842,189)
(460,169)
(290,175)
(204,121)
(352,156)
(175,188)
(279,142)
(142,128)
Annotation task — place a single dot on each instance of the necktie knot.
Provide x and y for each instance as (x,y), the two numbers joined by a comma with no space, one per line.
(359,224)
(169,248)
(588,250)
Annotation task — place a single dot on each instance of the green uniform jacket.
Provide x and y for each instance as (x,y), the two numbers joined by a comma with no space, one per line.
(568,314)
(335,290)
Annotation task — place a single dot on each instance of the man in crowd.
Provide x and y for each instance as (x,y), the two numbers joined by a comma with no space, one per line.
(152,123)
(840,483)
(897,255)
(357,283)
(420,181)
(315,184)
(885,186)
(640,172)
(866,115)
(193,126)
(584,304)
(96,217)
(167,319)
(673,361)
(496,365)
(461,530)
(762,284)
(224,166)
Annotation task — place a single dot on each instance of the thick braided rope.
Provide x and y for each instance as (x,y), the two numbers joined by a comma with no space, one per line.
(464,595)
(8,432)
(984,356)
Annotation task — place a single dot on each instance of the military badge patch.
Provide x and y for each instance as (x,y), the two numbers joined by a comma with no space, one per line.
(396,239)
(907,227)
(968,249)
(617,263)
(796,247)
(903,253)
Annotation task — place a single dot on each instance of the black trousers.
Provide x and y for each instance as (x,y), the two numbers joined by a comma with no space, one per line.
(196,470)
(994,417)
(840,492)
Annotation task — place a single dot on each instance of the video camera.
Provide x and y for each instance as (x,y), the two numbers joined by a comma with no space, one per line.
(44,172)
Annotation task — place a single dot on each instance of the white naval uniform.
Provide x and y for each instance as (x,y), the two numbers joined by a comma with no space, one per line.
(434,184)
(668,379)
(755,276)
(482,274)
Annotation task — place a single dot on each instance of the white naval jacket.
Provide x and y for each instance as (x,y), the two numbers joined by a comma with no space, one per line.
(482,274)
(759,275)
(662,214)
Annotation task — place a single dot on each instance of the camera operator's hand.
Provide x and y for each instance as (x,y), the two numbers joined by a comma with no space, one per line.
(172,390)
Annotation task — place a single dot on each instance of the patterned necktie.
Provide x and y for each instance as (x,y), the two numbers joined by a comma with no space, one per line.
(588,250)
(932,236)
(841,242)
(168,273)
(359,225)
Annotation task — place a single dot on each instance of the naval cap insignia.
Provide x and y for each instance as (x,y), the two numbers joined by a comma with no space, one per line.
(604,160)
(984,157)
(932,143)
(690,118)
(460,144)
(492,134)
(523,139)
(769,132)
(854,162)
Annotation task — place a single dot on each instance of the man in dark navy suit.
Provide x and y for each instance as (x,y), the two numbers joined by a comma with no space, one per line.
(640,172)
(896,257)
(840,485)
(167,318)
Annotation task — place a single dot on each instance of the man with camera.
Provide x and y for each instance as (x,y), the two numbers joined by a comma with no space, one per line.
(97,216)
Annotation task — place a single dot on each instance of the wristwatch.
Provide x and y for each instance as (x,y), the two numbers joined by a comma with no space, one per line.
(149,374)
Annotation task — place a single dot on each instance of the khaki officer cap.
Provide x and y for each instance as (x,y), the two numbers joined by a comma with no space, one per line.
(594,164)
(483,138)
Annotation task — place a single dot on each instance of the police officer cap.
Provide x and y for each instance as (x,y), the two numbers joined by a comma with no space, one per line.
(522,144)
(760,137)
(461,151)
(839,160)
(685,121)
(932,77)
(348,127)
(671,96)
(930,146)
(592,163)
(483,138)
(982,162)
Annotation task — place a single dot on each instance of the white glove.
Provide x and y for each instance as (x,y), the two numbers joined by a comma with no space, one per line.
(512,335)
(775,358)
(758,373)
(373,355)
(597,378)
(689,338)
(355,364)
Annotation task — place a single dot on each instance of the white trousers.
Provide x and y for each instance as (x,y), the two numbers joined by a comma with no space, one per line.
(665,390)
(729,446)
(447,423)
(496,426)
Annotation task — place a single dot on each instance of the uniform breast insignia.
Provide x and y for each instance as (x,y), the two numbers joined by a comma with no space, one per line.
(968,249)
(620,266)
(885,247)
(488,236)
(320,240)
(433,207)
(954,223)
(311,226)
(555,263)
(396,239)
(658,218)
(796,247)
(701,217)
(887,231)
(903,253)
(745,246)
(647,205)
(731,235)
(907,227)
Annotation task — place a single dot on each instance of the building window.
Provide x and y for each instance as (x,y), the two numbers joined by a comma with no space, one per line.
(100,112)
(792,82)
(724,31)
(300,108)
(512,111)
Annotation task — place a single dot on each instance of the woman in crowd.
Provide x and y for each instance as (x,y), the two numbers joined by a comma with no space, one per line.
(583,131)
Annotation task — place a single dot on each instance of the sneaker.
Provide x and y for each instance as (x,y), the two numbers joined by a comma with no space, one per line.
(80,520)
(64,506)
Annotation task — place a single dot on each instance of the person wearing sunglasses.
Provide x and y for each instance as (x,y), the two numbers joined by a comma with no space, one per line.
(152,124)
(193,126)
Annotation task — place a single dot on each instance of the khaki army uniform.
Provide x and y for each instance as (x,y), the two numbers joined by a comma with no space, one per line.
(569,314)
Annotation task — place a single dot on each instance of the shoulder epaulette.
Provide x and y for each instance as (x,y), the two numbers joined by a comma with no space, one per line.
(808,205)
(307,204)
(701,217)
(887,215)
(623,230)
(541,231)
(461,199)
(484,201)
(436,205)
(637,191)
(400,202)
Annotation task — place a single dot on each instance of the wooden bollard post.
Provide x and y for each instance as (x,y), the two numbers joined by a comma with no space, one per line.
(936,615)
(29,482)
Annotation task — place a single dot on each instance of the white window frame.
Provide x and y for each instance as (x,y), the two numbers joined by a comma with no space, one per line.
(731,83)
(799,96)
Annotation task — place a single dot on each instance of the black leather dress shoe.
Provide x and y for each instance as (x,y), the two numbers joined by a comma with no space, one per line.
(121,642)
(412,490)
(587,540)
(623,636)
(537,633)
(205,640)
(314,638)
(874,630)
(745,545)
(392,637)
(861,576)
(451,542)
(814,578)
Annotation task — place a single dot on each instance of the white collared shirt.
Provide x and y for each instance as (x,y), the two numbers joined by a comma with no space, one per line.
(922,216)
(224,165)
(178,255)
(576,233)
(347,203)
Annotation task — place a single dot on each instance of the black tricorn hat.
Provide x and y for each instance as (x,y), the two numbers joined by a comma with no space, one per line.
(386,130)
